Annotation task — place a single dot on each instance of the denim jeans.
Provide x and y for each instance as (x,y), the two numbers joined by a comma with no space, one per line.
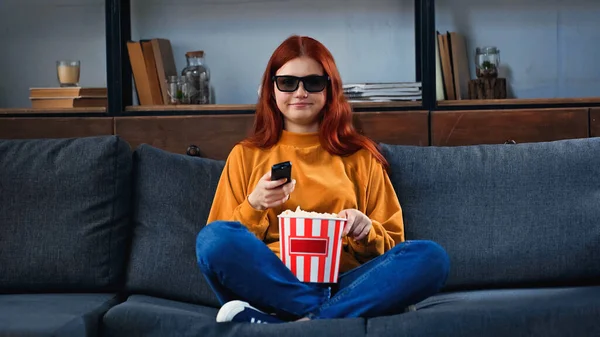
(238,266)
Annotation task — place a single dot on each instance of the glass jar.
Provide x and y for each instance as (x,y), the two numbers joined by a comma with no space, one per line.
(198,76)
(179,90)
(487,62)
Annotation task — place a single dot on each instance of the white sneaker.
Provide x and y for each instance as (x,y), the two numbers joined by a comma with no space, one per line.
(239,311)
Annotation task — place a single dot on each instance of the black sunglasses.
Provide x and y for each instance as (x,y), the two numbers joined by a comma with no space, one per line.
(311,83)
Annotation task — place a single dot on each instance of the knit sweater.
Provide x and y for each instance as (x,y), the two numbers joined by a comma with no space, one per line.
(324,183)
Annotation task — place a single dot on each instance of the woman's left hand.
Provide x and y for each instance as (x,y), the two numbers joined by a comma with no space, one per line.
(358,224)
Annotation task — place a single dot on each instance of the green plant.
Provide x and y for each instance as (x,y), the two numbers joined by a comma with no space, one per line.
(487,65)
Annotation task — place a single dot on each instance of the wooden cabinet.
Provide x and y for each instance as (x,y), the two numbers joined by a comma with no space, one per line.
(55,127)
(402,127)
(452,128)
(215,135)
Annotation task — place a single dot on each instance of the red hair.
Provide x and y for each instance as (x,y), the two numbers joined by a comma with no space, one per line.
(336,131)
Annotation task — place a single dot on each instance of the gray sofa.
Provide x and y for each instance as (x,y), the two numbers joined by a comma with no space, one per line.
(97,240)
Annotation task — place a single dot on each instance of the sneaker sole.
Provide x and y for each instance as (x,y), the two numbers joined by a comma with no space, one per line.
(230,309)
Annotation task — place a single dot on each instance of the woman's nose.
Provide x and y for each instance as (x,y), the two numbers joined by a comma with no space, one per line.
(300,92)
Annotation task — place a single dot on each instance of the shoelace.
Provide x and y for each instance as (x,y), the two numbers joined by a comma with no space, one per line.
(253,320)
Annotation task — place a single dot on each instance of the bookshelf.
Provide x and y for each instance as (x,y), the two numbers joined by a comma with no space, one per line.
(545,52)
(425,28)
(118,29)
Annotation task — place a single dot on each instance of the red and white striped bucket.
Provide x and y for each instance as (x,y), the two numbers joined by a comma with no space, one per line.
(311,247)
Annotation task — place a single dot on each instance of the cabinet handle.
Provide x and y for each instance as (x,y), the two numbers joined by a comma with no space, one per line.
(193,151)
(510,141)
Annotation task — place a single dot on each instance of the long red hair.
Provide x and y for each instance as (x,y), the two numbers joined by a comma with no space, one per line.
(336,131)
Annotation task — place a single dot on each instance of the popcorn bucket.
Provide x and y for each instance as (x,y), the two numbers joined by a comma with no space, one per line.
(311,247)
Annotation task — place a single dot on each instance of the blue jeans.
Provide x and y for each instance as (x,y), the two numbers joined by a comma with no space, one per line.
(238,266)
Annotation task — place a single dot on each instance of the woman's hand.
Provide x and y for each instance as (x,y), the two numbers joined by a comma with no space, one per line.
(268,194)
(358,224)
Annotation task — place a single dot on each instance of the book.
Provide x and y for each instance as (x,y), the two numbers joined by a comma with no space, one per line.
(383,92)
(165,64)
(58,103)
(67,92)
(152,62)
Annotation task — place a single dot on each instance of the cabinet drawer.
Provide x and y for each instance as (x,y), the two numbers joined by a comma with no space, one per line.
(214,136)
(452,128)
(401,127)
(55,127)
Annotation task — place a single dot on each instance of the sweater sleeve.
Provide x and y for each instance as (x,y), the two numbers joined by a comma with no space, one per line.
(230,202)
(383,208)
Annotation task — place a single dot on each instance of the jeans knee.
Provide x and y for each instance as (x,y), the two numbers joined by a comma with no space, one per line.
(215,238)
(435,257)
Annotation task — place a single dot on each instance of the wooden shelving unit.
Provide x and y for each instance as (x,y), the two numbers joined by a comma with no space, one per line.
(119,76)
(425,122)
(120,83)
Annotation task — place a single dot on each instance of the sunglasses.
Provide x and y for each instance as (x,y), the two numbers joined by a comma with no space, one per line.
(311,83)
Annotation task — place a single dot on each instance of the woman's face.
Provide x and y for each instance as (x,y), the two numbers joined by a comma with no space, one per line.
(301,100)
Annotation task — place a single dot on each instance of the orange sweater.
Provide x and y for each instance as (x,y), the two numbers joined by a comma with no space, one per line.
(324,183)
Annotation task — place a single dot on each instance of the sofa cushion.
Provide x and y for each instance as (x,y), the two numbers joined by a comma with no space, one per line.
(64,214)
(148,316)
(506,214)
(549,312)
(173,196)
(53,314)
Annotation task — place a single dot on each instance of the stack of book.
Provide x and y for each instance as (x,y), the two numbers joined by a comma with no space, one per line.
(452,67)
(383,92)
(152,62)
(68,97)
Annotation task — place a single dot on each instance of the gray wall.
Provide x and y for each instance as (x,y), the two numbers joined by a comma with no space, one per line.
(549,47)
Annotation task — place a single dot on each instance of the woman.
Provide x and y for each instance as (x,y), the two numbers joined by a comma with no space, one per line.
(302,116)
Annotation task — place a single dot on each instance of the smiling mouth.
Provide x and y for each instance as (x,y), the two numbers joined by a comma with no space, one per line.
(300,104)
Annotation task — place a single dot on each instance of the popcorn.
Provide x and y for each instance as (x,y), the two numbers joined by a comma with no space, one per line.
(299,213)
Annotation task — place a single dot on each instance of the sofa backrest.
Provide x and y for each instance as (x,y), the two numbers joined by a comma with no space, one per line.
(508,215)
(173,194)
(64,214)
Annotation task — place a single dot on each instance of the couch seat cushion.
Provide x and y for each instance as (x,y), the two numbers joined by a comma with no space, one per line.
(53,314)
(149,316)
(549,312)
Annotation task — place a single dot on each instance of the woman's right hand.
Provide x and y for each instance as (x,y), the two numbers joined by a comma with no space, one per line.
(268,194)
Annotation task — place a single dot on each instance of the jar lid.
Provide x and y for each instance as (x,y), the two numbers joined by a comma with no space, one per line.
(198,53)
(487,50)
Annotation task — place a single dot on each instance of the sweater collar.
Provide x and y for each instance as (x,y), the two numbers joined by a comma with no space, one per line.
(299,139)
